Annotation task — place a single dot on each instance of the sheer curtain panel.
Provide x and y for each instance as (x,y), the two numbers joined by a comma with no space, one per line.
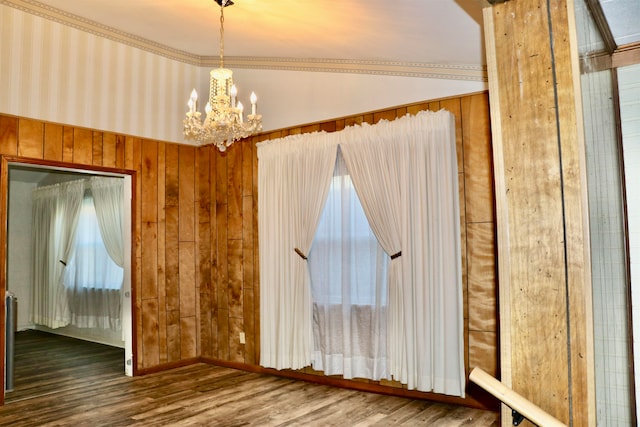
(56,210)
(294,175)
(406,175)
(108,198)
(349,286)
(92,279)
(78,254)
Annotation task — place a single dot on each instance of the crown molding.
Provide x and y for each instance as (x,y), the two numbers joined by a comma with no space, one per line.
(386,68)
(354,66)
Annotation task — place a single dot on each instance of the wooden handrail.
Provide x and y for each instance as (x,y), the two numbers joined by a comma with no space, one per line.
(513,400)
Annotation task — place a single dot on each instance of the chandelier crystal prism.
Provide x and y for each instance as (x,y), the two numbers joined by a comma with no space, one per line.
(224,122)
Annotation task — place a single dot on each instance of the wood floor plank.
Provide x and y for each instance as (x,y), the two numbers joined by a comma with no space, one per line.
(65,382)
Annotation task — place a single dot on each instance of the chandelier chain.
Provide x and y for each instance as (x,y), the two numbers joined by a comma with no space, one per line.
(222,36)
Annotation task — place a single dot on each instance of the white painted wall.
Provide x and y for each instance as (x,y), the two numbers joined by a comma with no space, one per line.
(19,249)
(291,98)
(629,81)
(53,72)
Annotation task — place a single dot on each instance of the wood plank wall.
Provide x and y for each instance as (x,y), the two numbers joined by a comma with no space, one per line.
(164,230)
(196,236)
(228,231)
(543,233)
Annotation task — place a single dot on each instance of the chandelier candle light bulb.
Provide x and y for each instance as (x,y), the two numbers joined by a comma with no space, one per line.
(224,122)
(253,100)
(234,94)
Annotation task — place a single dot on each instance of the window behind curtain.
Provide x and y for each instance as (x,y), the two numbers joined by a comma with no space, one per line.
(349,287)
(91,266)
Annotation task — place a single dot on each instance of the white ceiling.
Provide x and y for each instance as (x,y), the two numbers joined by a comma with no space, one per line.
(446,32)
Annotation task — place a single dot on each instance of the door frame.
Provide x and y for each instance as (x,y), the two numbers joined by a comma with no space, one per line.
(129,285)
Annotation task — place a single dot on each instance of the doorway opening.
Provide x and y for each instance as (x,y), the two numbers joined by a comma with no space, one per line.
(19,179)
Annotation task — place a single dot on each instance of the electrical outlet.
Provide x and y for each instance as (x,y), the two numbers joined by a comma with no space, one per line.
(242,340)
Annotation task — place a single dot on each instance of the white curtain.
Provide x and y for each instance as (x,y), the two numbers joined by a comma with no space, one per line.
(108,198)
(56,211)
(405,173)
(78,254)
(92,280)
(349,285)
(375,162)
(432,278)
(294,179)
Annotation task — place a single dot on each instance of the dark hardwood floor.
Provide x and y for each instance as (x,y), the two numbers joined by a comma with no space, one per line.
(63,382)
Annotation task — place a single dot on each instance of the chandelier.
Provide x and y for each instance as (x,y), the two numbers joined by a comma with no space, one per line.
(224,123)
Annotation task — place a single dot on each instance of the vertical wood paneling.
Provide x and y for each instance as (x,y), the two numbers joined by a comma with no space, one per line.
(481,277)
(223,334)
(236,350)
(53,142)
(477,158)
(171,231)
(161,260)
(213,286)
(30,138)
(483,351)
(186,247)
(67,144)
(96,154)
(328,127)
(222,277)
(187,278)
(234,253)
(109,149)
(150,350)
(186,196)
(248,162)
(82,146)
(8,135)
(248,250)
(148,218)
(249,317)
(120,151)
(148,260)
(384,115)
(174,347)
(188,337)
(172,263)
(234,192)
(149,177)
(138,327)
(203,255)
